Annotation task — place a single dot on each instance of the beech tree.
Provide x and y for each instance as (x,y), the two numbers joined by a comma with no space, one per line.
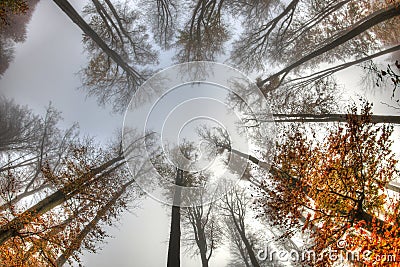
(204,35)
(183,178)
(116,53)
(338,184)
(119,26)
(28,143)
(67,219)
(355,30)
(66,178)
(302,31)
(14,17)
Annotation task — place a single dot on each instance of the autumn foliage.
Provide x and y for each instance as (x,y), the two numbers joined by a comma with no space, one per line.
(337,186)
(8,7)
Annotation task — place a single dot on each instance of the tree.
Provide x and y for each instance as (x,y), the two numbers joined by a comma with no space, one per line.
(183,178)
(70,209)
(359,27)
(174,245)
(301,82)
(234,205)
(203,229)
(204,35)
(175,166)
(112,51)
(298,33)
(14,17)
(108,210)
(80,179)
(27,143)
(119,26)
(304,117)
(338,183)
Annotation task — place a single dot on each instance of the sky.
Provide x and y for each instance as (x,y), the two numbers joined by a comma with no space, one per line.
(45,69)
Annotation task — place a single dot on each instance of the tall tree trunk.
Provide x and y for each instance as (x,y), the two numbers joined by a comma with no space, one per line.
(306,80)
(305,117)
(240,228)
(13,227)
(201,240)
(359,27)
(24,194)
(203,256)
(76,243)
(78,20)
(174,247)
(250,251)
(241,249)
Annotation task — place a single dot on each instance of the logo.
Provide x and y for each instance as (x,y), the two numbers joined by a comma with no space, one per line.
(197,124)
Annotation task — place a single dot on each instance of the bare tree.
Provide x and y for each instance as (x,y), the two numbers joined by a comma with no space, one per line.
(234,204)
(14,17)
(164,20)
(202,230)
(28,143)
(18,125)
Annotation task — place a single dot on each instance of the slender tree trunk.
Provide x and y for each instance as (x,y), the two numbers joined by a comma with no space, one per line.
(21,196)
(368,218)
(304,117)
(76,243)
(203,249)
(13,227)
(202,243)
(242,232)
(306,80)
(78,20)
(241,249)
(250,251)
(174,247)
(361,26)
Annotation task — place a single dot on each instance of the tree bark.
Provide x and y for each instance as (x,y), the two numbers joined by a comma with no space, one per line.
(76,243)
(306,80)
(21,196)
(305,117)
(361,26)
(174,247)
(78,20)
(12,228)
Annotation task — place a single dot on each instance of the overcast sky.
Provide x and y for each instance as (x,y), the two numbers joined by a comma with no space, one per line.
(44,70)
